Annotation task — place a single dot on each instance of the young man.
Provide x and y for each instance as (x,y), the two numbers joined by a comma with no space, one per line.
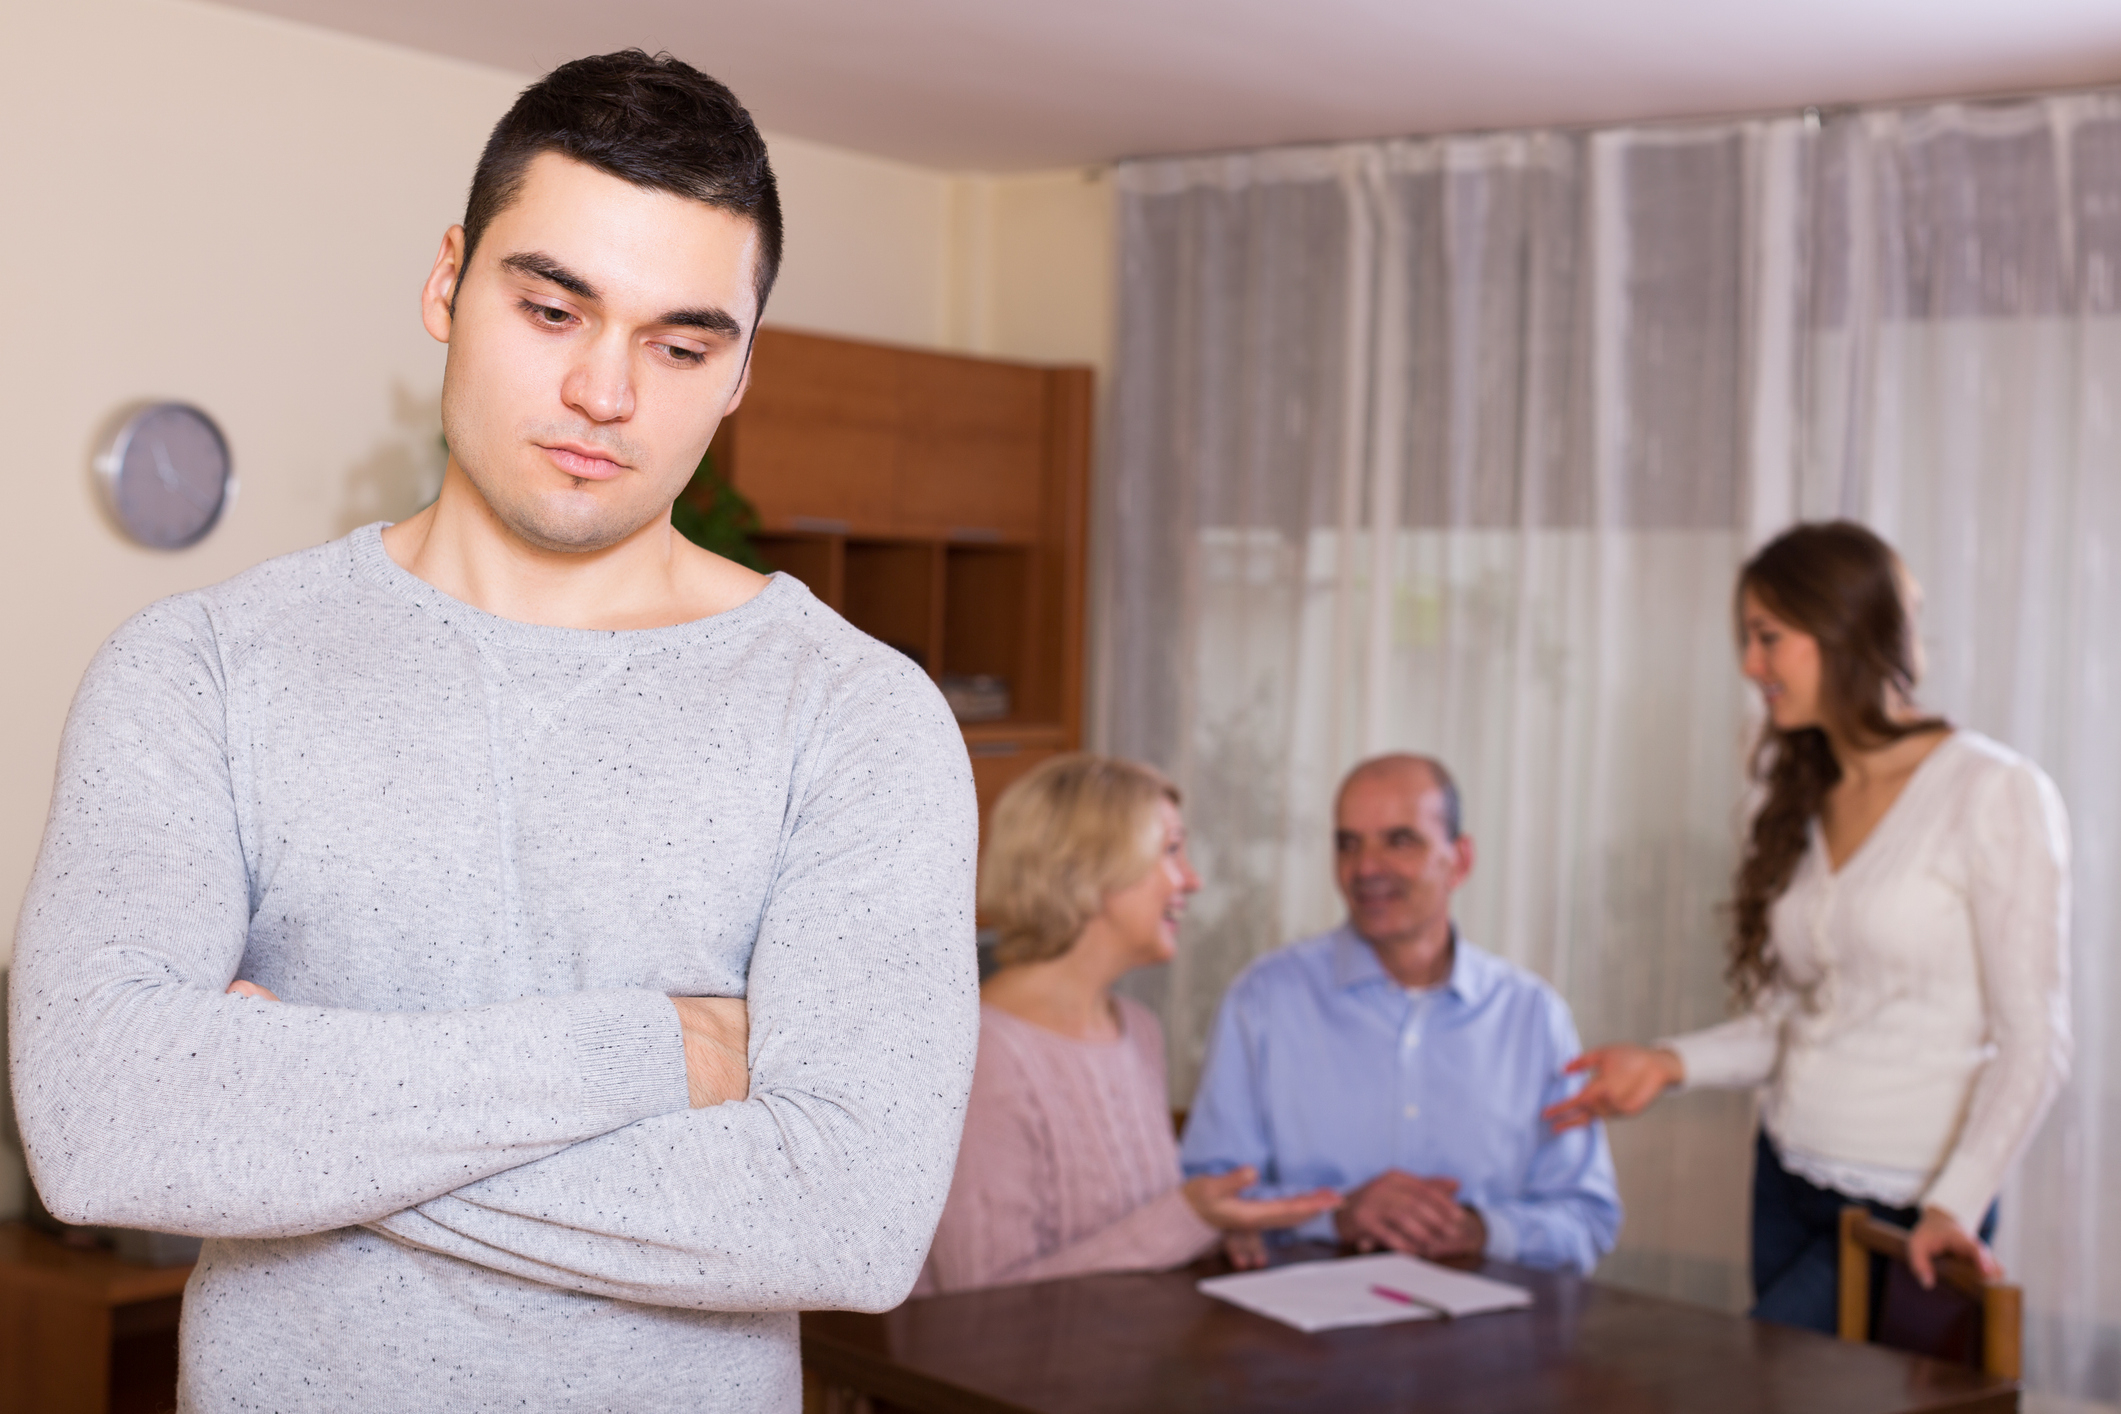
(1395,1061)
(382,881)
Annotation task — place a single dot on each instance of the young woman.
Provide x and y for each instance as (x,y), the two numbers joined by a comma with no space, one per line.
(1901,942)
(1069,1164)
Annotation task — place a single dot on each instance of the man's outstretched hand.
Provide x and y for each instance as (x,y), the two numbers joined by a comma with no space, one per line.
(1403,1212)
(717,1060)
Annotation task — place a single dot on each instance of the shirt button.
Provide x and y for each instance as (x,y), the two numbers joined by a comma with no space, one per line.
(1413,1111)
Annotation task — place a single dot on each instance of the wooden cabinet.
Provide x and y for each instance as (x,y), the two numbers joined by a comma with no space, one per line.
(939,502)
(82,1332)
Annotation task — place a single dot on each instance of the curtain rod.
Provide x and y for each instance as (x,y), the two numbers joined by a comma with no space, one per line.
(1813,111)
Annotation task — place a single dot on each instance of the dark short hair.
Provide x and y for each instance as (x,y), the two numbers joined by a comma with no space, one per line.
(651,120)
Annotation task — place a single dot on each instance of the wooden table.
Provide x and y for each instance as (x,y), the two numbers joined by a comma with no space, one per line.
(1151,1342)
(64,1313)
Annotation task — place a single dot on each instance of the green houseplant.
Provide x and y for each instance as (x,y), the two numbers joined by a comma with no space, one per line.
(715,516)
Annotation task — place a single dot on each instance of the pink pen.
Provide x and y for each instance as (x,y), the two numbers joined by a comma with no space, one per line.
(1393,1294)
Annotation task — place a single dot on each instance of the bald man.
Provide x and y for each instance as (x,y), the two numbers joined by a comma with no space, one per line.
(1393,1060)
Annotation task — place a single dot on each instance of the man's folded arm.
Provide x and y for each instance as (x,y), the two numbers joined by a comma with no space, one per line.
(149,1098)
(823,1188)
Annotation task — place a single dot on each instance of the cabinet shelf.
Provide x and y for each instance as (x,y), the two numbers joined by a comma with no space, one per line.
(996,741)
(1025,730)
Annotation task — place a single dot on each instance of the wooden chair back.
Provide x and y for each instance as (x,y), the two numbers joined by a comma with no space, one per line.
(1965,1318)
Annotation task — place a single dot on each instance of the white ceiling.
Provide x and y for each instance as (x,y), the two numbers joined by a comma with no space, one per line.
(996,85)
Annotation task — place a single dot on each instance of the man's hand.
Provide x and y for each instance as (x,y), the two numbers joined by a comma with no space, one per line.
(717,1061)
(250,989)
(1421,1217)
(1215,1197)
(1624,1080)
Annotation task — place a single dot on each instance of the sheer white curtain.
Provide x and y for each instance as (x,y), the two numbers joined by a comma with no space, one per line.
(1456,444)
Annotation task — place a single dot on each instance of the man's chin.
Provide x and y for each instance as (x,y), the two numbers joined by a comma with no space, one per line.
(1383,926)
(544,528)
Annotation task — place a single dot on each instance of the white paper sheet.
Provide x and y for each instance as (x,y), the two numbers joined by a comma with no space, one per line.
(1323,1296)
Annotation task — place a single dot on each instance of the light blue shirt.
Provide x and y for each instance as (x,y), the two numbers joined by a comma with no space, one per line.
(1324,1072)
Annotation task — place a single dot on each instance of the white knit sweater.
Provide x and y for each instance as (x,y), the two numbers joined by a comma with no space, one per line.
(1920,1017)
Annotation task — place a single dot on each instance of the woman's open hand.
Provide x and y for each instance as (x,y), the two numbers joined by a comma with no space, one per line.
(1246,1251)
(1214,1197)
(1624,1080)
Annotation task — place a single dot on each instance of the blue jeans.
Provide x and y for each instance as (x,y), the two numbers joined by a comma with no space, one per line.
(1797,1243)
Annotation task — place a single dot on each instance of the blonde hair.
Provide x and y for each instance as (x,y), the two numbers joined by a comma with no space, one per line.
(1070,831)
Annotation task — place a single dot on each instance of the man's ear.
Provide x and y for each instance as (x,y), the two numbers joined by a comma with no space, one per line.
(1463,846)
(743,379)
(438,297)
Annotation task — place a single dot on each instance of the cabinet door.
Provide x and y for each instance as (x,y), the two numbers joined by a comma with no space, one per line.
(816,442)
(973,460)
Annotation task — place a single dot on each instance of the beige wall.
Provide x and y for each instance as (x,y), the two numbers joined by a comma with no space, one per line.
(868,245)
(1033,274)
(207,205)
(238,211)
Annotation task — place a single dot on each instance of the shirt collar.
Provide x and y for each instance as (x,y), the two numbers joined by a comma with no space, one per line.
(1355,964)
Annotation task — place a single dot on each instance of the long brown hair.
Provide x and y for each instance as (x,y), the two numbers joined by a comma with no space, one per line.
(1845,587)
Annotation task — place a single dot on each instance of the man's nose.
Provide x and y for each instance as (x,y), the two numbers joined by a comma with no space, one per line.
(600,385)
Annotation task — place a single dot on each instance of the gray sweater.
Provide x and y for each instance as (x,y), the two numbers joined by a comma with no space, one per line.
(454,1168)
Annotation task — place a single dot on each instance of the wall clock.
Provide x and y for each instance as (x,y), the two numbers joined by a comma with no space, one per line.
(165,475)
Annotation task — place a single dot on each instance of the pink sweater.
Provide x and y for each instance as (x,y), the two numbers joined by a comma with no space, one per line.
(1068,1163)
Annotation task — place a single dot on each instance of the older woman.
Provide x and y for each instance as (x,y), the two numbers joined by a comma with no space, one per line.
(1069,1164)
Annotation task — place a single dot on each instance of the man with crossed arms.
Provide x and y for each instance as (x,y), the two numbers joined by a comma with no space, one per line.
(1395,1061)
(597,912)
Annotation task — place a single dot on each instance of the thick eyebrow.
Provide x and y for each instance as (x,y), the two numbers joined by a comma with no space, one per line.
(540,266)
(714,321)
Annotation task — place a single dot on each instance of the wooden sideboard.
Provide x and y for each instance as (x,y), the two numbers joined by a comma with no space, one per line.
(82,1332)
(940,502)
